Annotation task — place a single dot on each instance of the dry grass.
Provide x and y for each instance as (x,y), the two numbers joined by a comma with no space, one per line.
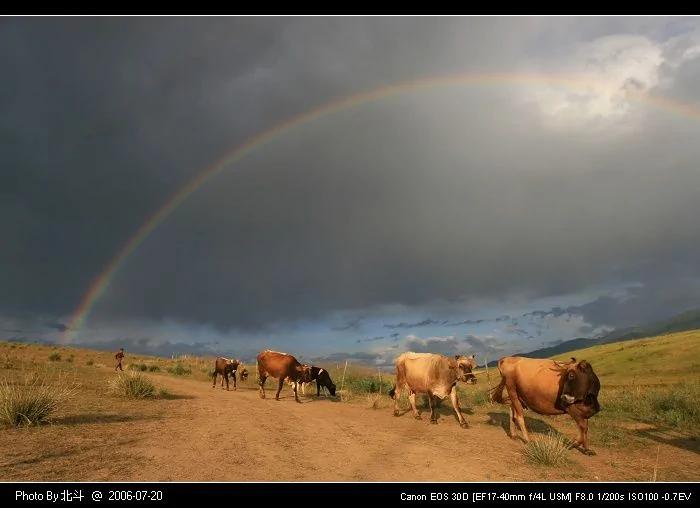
(548,450)
(133,386)
(31,401)
(676,406)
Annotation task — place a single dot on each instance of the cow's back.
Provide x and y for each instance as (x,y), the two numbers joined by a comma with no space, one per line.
(426,372)
(276,364)
(537,381)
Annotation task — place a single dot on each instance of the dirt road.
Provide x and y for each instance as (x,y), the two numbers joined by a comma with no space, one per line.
(220,435)
(206,434)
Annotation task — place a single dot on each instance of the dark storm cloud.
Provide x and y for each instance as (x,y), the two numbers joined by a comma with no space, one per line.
(442,345)
(353,325)
(405,201)
(419,324)
(370,339)
(489,346)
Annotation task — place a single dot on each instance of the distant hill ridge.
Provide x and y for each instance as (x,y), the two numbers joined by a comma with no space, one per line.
(689,320)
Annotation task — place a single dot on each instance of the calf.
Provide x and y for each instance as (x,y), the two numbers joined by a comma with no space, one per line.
(322,378)
(226,367)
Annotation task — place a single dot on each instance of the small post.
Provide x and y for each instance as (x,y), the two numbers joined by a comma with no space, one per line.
(342,383)
(488,377)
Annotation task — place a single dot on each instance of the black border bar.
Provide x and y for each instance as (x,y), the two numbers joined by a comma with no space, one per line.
(304,493)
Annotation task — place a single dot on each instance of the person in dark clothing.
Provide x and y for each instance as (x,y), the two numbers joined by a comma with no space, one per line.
(119,357)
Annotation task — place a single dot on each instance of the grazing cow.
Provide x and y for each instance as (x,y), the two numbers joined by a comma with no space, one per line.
(433,374)
(322,378)
(226,368)
(281,366)
(549,387)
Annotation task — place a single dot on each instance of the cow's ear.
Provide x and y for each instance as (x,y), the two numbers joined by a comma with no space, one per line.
(584,365)
(456,357)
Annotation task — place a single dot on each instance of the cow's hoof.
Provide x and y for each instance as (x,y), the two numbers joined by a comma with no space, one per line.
(418,417)
(396,413)
(464,425)
(588,451)
(434,422)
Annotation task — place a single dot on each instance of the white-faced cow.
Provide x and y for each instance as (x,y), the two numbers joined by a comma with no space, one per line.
(435,375)
(227,367)
(281,366)
(549,387)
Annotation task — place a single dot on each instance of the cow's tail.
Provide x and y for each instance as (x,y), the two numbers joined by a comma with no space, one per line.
(392,392)
(496,393)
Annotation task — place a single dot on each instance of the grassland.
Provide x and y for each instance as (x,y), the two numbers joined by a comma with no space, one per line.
(648,427)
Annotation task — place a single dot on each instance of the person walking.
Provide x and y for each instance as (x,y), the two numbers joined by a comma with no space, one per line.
(118,357)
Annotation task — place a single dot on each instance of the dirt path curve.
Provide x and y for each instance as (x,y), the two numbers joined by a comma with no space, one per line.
(236,436)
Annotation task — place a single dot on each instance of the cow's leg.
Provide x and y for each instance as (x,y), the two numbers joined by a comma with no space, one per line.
(318,390)
(296,392)
(279,388)
(517,409)
(512,421)
(235,386)
(582,440)
(455,404)
(432,404)
(214,376)
(397,394)
(412,400)
(261,382)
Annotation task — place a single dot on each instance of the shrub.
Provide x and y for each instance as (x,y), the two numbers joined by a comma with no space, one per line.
(179,370)
(31,402)
(141,367)
(549,450)
(55,357)
(153,368)
(70,359)
(90,362)
(133,386)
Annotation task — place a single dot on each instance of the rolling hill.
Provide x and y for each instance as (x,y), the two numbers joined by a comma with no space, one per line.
(659,360)
(689,320)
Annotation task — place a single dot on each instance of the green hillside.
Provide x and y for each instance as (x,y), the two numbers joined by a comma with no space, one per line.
(660,360)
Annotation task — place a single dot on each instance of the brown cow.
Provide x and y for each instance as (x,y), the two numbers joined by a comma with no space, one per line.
(435,375)
(226,367)
(281,366)
(549,387)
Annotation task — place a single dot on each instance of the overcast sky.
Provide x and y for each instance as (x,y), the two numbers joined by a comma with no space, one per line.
(492,217)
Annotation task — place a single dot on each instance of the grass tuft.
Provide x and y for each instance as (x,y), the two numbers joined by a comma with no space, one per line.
(179,370)
(548,450)
(55,357)
(133,385)
(30,402)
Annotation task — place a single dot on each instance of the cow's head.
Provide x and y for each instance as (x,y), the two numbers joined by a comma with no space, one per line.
(324,379)
(465,366)
(581,385)
(244,374)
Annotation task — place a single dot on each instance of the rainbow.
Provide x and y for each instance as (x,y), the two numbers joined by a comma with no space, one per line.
(100,283)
